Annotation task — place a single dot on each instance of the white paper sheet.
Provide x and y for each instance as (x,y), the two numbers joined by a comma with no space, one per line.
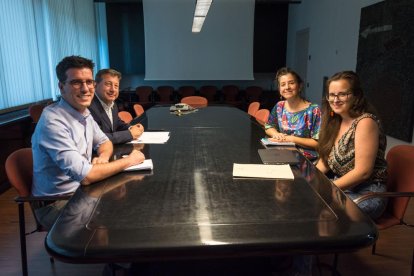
(152,137)
(146,165)
(263,171)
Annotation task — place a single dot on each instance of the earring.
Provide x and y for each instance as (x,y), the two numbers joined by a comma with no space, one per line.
(331,113)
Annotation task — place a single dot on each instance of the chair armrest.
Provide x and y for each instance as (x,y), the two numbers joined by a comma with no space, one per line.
(384,194)
(42,198)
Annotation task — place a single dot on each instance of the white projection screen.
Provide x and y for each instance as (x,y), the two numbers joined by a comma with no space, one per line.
(223,50)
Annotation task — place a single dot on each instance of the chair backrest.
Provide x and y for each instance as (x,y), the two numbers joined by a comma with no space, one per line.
(139,110)
(209,92)
(400,162)
(262,115)
(253,93)
(195,101)
(253,108)
(19,170)
(165,93)
(144,93)
(35,111)
(186,91)
(230,92)
(125,116)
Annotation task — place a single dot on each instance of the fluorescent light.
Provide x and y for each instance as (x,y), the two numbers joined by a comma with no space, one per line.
(202,7)
(197,24)
(200,13)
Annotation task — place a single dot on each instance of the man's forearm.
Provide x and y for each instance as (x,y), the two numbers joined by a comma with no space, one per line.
(105,150)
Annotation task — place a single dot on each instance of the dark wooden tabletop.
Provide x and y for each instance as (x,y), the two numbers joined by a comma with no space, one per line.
(190,206)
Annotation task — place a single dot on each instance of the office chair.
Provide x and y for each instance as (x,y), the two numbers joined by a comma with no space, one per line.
(262,116)
(186,91)
(230,92)
(400,187)
(231,95)
(19,170)
(253,108)
(165,94)
(125,116)
(253,94)
(195,101)
(139,110)
(209,92)
(35,111)
(144,94)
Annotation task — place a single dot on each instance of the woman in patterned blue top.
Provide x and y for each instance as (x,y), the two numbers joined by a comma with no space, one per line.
(294,119)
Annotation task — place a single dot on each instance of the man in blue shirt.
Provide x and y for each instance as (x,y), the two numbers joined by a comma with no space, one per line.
(65,137)
(105,111)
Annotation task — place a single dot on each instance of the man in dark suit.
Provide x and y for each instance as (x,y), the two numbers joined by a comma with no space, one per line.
(105,111)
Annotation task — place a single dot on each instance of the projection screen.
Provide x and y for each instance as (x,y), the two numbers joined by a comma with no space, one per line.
(223,50)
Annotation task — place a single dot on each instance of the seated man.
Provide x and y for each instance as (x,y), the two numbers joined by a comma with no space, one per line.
(65,137)
(105,111)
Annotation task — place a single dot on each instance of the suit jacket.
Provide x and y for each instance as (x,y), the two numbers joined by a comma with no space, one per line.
(118,133)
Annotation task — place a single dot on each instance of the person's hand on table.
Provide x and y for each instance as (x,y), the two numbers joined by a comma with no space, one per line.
(136,130)
(136,157)
(289,138)
(278,137)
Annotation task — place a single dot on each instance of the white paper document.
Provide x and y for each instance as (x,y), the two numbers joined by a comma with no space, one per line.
(152,137)
(146,165)
(263,171)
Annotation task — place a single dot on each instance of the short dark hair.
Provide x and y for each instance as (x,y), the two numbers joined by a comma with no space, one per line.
(72,62)
(109,71)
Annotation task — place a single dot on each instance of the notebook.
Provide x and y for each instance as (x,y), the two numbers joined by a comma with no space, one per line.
(278,156)
(268,143)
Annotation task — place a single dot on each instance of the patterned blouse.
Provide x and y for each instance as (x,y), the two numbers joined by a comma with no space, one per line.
(305,123)
(341,159)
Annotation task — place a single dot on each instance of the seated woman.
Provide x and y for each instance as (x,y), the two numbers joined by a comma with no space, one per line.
(351,144)
(294,119)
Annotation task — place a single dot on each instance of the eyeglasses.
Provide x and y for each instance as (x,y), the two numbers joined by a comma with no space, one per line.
(342,96)
(77,84)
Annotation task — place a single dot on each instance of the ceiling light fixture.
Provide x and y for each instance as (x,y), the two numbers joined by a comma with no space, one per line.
(200,13)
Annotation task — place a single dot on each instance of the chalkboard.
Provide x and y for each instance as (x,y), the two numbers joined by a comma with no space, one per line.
(385,64)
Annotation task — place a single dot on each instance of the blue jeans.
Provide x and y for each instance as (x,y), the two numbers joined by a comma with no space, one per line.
(373,207)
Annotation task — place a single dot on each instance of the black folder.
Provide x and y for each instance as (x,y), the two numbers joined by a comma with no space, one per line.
(278,156)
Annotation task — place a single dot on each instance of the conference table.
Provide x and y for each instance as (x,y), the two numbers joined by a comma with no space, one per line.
(191,207)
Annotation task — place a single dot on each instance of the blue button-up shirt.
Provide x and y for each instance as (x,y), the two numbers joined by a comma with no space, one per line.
(62,149)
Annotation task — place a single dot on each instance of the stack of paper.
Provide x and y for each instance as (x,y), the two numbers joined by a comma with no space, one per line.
(146,165)
(267,142)
(263,171)
(152,137)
